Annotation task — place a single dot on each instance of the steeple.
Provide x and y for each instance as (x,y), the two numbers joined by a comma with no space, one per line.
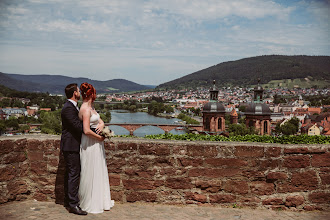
(258,92)
(214,93)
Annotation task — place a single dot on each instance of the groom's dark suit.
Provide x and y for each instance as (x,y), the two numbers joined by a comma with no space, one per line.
(70,146)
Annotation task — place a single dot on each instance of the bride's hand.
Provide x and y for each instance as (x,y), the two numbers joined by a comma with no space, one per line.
(99,127)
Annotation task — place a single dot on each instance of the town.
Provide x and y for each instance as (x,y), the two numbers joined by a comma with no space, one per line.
(311,107)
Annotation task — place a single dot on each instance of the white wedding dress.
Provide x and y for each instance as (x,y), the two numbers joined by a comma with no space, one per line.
(94,188)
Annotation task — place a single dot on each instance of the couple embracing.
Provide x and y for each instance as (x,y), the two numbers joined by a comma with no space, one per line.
(86,185)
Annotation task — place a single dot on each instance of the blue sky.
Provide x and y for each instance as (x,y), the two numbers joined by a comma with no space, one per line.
(154,41)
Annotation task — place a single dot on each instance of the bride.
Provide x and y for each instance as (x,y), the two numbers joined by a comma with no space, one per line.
(94,188)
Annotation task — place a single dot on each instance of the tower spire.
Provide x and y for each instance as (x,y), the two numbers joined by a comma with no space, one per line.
(214,93)
(258,92)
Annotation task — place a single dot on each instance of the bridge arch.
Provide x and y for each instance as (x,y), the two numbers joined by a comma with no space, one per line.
(167,128)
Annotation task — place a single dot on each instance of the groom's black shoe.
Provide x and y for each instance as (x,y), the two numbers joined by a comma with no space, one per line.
(77,210)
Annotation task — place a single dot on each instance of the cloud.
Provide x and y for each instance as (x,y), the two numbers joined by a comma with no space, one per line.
(137,39)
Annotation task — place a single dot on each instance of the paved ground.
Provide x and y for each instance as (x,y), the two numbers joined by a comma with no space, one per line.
(49,210)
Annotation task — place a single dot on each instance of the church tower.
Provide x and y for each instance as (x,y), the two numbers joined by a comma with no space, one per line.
(258,113)
(233,117)
(213,113)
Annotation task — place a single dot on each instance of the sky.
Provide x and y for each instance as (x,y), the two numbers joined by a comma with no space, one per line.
(154,41)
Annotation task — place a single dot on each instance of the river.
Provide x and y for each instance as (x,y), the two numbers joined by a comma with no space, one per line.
(124,116)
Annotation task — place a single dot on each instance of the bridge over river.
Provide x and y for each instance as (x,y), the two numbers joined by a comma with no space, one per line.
(131,127)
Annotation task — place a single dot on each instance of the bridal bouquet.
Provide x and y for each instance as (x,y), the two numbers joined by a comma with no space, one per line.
(107,133)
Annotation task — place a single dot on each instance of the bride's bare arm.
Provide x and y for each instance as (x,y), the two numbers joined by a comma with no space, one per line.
(100,126)
(86,114)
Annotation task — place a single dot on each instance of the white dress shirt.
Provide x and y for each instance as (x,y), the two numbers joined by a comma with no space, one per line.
(74,103)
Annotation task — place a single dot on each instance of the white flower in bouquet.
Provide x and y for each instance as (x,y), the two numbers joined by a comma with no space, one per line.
(107,133)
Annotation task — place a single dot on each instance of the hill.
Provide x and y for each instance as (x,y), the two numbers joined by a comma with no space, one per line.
(56,83)
(245,72)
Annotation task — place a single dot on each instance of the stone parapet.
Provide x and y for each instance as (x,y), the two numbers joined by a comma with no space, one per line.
(177,172)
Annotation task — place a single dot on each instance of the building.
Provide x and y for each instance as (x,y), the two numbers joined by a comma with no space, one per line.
(15,112)
(258,113)
(233,117)
(3,115)
(314,130)
(214,113)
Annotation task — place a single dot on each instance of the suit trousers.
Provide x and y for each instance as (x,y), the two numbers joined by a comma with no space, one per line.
(72,176)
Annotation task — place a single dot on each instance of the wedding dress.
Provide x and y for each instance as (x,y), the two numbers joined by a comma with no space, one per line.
(94,188)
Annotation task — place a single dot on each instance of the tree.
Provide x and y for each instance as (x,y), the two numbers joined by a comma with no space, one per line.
(132,108)
(24,128)
(290,127)
(2,127)
(241,129)
(51,122)
(242,108)
(12,122)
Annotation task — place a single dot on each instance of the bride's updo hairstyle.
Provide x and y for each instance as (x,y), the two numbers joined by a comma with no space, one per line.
(87,91)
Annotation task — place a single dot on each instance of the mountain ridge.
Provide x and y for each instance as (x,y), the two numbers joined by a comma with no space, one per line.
(246,71)
(56,83)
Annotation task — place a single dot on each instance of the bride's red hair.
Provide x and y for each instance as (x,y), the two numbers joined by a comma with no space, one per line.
(87,90)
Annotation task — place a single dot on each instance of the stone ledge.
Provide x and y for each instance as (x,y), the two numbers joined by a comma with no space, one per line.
(176,172)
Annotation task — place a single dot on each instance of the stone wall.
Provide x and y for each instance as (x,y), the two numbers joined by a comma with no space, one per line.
(178,172)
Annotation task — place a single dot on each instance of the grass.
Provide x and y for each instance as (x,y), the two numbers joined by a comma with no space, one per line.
(299,82)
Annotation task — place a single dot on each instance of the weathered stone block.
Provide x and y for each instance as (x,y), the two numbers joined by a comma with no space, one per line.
(14,157)
(273,151)
(234,186)
(180,150)
(222,198)
(17,187)
(35,156)
(141,196)
(325,176)
(212,186)
(230,162)
(40,196)
(321,160)
(39,168)
(312,208)
(127,146)
(190,162)
(178,183)
(214,173)
(114,179)
(299,161)
(304,180)
(262,188)
(294,201)
(273,176)
(154,149)
(249,151)
(273,201)
(269,163)
(117,196)
(8,172)
(196,197)
(20,145)
(202,151)
(300,181)
(319,197)
(116,165)
(254,174)
(296,150)
(34,145)
(6,146)
(138,184)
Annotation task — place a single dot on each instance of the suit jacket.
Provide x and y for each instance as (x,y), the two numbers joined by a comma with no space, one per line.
(72,128)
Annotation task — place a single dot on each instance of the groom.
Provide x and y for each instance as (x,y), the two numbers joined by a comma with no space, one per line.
(72,130)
